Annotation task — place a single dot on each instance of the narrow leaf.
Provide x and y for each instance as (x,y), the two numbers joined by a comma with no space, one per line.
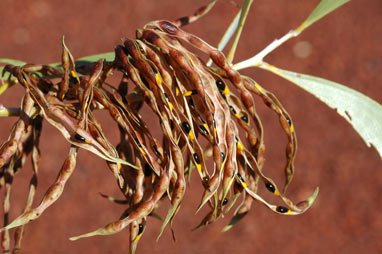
(229,32)
(243,15)
(109,56)
(11,61)
(322,9)
(363,113)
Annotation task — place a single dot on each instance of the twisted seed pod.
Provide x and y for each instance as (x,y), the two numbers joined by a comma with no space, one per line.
(37,127)
(53,193)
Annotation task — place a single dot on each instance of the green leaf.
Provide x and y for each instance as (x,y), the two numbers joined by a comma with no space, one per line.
(109,56)
(322,9)
(243,15)
(11,61)
(363,113)
(229,32)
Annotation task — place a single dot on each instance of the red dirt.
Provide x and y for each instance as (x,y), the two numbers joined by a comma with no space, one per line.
(346,48)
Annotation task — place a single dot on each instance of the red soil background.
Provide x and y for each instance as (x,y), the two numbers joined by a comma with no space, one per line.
(346,48)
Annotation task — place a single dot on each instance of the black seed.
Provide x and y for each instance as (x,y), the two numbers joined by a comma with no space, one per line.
(73,79)
(138,143)
(282,209)
(204,130)
(220,84)
(244,118)
(147,170)
(225,201)
(186,127)
(223,95)
(172,124)
(206,179)
(194,92)
(232,109)
(270,187)
(222,155)
(140,229)
(240,177)
(236,140)
(196,157)
(79,138)
(213,121)
(166,96)
(191,102)
(145,82)
(289,121)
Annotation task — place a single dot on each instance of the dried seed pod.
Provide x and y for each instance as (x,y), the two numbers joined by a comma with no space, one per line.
(53,193)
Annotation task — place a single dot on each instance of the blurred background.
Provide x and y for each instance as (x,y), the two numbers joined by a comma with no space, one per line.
(344,47)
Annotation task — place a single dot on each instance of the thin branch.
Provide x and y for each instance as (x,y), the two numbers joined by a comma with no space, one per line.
(257,60)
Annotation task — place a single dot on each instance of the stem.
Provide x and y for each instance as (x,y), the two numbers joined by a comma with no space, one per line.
(257,60)
(266,66)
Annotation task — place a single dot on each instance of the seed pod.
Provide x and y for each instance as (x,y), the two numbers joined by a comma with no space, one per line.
(53,193)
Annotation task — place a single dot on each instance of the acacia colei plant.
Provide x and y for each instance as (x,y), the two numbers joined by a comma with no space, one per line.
(189,98)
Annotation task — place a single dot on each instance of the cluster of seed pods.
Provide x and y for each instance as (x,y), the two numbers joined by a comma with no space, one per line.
(192,101)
